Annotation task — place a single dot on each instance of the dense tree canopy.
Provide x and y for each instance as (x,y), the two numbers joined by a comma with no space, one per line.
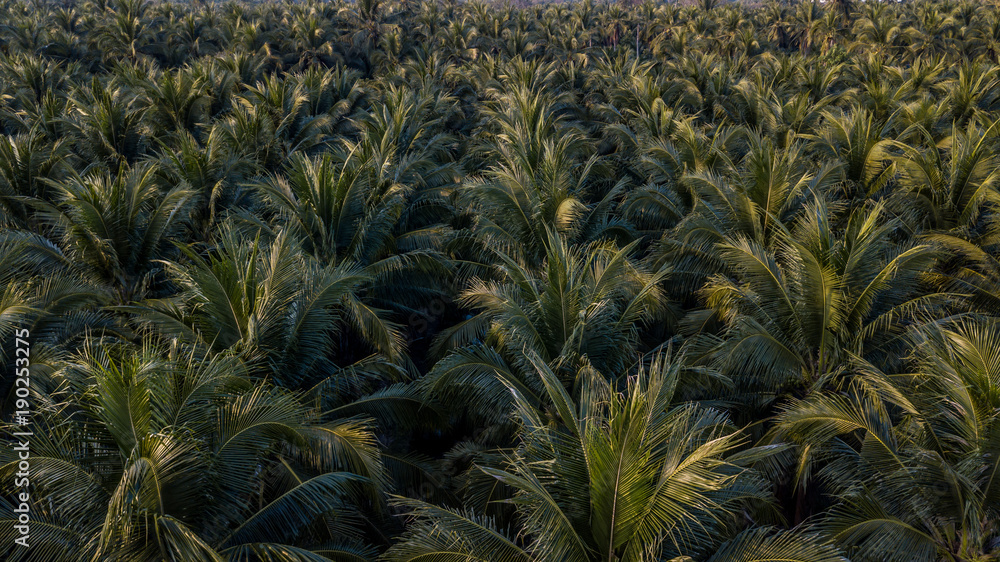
(429,280)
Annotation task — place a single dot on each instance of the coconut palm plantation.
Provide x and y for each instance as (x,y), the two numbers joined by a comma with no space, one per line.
(428,280)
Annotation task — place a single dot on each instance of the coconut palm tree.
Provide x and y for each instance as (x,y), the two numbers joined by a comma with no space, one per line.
(617,475)
(794,313)
(146,454)
(583,306)
(28,165)
(757,199)
(109,125)
(176,101)
(921,485)
(282,311)
(117,225)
